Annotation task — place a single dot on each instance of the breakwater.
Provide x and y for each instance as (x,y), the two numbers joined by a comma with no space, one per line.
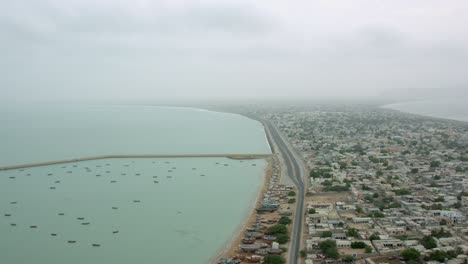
(231,156)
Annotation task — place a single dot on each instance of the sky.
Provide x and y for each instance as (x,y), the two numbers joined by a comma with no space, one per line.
(109,50)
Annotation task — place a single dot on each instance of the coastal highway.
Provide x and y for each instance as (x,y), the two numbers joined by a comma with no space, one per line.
(295,170)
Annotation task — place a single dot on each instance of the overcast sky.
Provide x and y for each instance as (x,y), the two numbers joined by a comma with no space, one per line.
(196,50)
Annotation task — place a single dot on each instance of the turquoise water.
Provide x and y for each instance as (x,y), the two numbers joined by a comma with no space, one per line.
(456,109)
(185,218)
(180,210)
(39,133)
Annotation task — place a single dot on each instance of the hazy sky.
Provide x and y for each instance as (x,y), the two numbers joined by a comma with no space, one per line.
(161,50)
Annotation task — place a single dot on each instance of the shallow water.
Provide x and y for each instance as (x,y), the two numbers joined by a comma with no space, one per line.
(185,217)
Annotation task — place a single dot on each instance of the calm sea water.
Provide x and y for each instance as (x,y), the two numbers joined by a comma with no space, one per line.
(449,109)
(181,210)
(42,133)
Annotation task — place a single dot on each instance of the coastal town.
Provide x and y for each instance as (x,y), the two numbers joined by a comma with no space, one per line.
(382,187)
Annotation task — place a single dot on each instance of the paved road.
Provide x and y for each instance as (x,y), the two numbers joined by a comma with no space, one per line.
(296,172)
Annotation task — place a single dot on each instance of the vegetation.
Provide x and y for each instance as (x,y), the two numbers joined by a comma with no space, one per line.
(277,229)
(435,164)
(353,232)
(326,234)
(302,253)
(374,236)
(441,233)
(440,256)
(292,200)
(329,249)
(282,238)
(401,192)
(320,172)
(274,259)
(348,259)
(376,215)
(358,244)
(312,211)
(284,220)
(336,188)
(428,242)
(291,193)
(410,254)
(368,249)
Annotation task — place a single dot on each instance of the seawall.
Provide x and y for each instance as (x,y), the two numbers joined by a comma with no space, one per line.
(231,156)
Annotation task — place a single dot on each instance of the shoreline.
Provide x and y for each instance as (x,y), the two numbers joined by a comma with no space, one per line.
(421,115)
(231,246)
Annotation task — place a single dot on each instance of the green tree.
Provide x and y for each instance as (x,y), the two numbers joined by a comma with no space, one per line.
(358,244)
(368,249)
(291,201)
(328,248)
(274,259)
(374,236)
(277,229)
(428,242)
(291,193)
(353,232)
(326,234)
(302,253)
(435,164)
(312,211)
(348,259)
(410,254)
(282,238)
(284,220)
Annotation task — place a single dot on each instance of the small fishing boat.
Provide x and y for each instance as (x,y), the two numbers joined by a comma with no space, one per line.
(136,201)
(248,240)
(71,241)
(61,214)
(115,232)
(86,223)
(115,208)
(53,234)
(113,181)
(80,218)
(33,226)
(52,188)
(12,177)
(13,202)
(156,181)
(7,214)
(13,224)
(96,245)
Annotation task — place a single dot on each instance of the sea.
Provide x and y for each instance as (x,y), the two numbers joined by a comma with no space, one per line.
(454,109)
(126,210)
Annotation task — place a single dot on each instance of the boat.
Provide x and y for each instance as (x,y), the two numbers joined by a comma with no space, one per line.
(53,234)
(269,239)
(248,240)
(7,214)
(13,224)
(33,226)
(254,234)
(86,223)
(96,245)
(249,247)
(115,232)
(115,208)
(136,201)
(71,241)
(80,218)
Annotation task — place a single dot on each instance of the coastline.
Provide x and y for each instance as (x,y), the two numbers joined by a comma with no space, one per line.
(231,246)
(402,107)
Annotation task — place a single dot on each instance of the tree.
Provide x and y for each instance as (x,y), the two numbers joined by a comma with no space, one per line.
(312,211)
(329,249)
(302,253)
(368,249)
(291,201)
(414,170)
(291,193)
(353,232)
(326,234)
(435,164)
(374,236)
(284,220)
(282,238)
(277,229)
(348,259)
(439,256)
(274,259)
(410,254)
(358,244)
(359,210)
(428,242)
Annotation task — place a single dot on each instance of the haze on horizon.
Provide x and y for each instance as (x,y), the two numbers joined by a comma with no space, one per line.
(87,50)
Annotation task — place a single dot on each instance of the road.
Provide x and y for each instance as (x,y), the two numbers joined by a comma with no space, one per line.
(295,171)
